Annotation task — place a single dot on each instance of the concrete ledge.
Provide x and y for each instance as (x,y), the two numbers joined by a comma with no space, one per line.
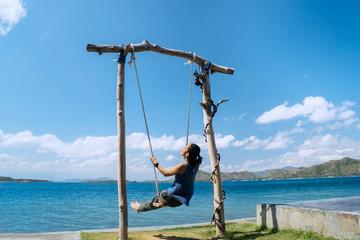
(304,216)
(74,235)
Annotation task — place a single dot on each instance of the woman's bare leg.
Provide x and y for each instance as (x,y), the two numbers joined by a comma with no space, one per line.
(135,206)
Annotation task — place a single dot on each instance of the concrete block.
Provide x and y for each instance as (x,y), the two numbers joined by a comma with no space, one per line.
(341,225)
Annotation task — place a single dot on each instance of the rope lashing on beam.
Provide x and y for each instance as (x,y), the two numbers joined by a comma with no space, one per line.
(205,66)
(202,69)
(122,57)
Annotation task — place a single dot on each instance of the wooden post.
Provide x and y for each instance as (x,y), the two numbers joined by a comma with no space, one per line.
(217,184)
(123,211)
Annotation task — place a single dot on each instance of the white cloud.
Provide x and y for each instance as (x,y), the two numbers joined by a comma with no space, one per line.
(250,163)
(170,158)
(84,147)
(316,109)
(59,168)
(165,142)
(346,114)
(281,140)
(242,116)
(11,11)
(351,121)
(223,142)
(346,123)
(4,156)
(235,118)
(335,125)
(358,126)
(322,115)
(89,156)
(319,149)
(250,143)
(206,168)
(318,129)
(89,146)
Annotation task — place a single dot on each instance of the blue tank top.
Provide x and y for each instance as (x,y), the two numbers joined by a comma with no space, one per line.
(183,187)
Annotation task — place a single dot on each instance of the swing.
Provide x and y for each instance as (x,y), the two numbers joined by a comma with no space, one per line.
(132,60)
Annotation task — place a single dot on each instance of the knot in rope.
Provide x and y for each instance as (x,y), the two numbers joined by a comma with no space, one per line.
(191,61)
(132,59)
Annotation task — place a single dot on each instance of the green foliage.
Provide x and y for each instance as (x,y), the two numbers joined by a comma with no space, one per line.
(306,235)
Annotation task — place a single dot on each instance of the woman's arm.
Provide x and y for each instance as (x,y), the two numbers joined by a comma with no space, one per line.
(179,169)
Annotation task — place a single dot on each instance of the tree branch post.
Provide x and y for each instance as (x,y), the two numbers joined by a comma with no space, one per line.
(207,104)
(120,99)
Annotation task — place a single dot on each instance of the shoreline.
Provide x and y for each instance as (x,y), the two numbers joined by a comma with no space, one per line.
(75,235)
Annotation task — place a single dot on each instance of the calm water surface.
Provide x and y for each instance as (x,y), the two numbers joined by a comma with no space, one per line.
(51,207)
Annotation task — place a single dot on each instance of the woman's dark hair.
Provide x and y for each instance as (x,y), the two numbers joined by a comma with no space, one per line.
(194,155)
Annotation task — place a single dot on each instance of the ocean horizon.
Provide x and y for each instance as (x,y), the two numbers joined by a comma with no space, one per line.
(58,206)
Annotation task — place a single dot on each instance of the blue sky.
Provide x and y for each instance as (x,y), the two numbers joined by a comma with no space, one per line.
(293,97)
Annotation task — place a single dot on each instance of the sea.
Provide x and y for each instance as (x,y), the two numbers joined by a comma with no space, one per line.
(58,207)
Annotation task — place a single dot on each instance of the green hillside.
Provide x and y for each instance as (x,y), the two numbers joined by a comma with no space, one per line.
(203,176)
(335,168)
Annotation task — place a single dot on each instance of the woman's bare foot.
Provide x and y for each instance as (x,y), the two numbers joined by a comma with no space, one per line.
(135,206)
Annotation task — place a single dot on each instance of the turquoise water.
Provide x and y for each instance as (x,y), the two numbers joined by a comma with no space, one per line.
(53,207)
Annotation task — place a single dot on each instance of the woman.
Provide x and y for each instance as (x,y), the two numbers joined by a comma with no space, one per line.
(182,189)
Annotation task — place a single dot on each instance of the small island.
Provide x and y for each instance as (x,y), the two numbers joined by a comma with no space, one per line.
(21,180)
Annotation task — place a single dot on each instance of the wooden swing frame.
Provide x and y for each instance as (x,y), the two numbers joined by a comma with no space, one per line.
(208,114)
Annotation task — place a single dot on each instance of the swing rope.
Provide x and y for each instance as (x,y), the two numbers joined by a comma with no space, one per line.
(191,77)
(146,125)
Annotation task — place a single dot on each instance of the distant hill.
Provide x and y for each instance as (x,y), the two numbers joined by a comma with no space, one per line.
(89,180)
(9,179)
(335,168)
(203,176)
(263,173)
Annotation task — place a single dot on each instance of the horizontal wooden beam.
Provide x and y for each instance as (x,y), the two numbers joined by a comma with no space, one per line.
(146,46)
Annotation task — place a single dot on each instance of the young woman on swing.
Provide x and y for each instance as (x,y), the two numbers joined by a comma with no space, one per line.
(182,189)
